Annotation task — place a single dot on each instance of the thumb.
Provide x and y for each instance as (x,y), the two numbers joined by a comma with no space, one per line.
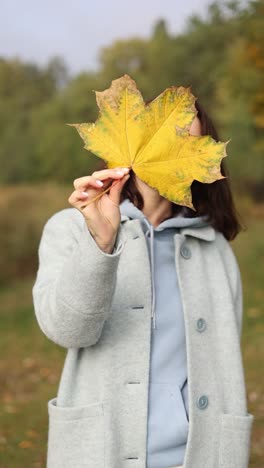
(116,189)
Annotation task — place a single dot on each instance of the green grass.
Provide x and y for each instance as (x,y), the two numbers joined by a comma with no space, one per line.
(249,249)
(31,364)
(29,376)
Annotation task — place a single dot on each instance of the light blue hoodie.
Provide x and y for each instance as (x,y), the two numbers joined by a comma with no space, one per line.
(168,413)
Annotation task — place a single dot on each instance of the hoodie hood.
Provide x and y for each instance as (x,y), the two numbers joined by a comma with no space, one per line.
(127,208)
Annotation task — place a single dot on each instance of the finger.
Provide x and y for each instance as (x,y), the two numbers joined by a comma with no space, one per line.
(99,180)
(105,173)
(115,191)
(78,196)
(83,182)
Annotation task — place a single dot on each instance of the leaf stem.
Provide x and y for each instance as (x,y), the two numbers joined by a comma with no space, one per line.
(97,196)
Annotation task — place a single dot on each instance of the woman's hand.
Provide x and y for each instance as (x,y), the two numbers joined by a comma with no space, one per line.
(102,215)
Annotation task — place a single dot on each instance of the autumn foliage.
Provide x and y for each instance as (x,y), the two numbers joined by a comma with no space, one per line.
(153,139)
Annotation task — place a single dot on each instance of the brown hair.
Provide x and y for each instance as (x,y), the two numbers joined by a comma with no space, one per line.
(214,199)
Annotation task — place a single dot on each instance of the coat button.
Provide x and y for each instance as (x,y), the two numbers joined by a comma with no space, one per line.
(200,325)
(202,402)
(185,251)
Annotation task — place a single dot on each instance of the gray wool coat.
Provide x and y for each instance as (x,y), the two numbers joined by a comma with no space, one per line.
(98,307)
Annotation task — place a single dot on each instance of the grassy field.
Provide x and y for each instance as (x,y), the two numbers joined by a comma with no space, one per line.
(31,364)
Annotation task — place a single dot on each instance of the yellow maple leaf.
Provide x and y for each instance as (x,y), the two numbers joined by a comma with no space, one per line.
(153,139)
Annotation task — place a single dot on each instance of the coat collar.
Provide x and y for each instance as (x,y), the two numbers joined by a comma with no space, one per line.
(206,233)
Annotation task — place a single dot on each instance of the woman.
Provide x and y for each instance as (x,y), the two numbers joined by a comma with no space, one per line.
(146,296)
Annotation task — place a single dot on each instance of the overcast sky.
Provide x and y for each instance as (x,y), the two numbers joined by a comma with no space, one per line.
(77,29)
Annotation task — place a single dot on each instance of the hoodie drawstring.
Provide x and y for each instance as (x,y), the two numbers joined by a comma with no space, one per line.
(151,232)
(128,209)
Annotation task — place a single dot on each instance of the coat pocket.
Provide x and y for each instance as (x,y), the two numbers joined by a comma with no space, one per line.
(235,437)
(75,436)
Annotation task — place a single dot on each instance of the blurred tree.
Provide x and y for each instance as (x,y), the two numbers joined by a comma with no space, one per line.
(58,70)
(59,153)
(23,87)
(241,101)
(122,57)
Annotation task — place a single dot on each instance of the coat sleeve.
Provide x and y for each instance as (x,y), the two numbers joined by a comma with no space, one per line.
(75,282)
(239,300)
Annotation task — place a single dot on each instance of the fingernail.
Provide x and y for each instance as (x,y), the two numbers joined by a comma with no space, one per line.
(99,182)
(85,194)
(125,169)
(120,172)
